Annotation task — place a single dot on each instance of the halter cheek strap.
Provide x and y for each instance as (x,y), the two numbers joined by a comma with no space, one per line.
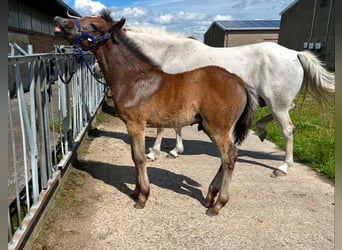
(94,40)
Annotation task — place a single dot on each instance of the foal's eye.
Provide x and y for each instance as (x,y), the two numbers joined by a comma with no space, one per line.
(94,26)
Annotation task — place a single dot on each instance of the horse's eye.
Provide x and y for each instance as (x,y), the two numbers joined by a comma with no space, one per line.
(94,26)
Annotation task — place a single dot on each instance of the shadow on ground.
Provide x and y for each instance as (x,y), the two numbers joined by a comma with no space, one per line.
(119,176)
(195,147)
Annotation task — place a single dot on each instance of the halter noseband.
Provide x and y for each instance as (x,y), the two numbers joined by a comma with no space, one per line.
(94,40)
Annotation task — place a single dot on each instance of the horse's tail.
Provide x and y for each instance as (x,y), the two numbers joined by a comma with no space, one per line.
(317,80)
(244,122)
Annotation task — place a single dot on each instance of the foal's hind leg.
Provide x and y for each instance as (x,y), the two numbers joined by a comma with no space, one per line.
(142,187)
(214,188)
(220,183)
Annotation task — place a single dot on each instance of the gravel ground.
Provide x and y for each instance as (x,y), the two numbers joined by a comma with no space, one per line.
(93,210)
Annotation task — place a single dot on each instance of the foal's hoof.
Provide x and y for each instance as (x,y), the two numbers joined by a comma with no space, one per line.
(211,212)
(138,206)
(208,204)
(277,173)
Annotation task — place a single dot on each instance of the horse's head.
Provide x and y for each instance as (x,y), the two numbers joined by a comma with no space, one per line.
(87,32)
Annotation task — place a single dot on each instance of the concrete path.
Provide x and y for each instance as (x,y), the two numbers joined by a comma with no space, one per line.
(93,209)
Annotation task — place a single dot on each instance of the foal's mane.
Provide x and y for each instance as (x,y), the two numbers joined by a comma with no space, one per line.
(129,43)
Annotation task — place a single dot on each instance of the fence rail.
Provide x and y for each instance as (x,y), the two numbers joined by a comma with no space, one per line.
(52,99)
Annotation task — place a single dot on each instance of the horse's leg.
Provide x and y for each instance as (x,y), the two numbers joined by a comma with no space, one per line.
(213,189)
(229,155)
(284,120)
(179,144)
(228,152)
(152,154)
(142,187)
(260,126)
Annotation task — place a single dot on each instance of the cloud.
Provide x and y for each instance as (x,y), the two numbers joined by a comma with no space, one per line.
(188,16)
(154,3)
(223,17)
(88,7)
(135,12)
(164,19)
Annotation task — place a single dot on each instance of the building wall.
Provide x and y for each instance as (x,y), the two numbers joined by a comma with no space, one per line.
(238,38)
(41,43)
(215,36)
(31,23)
(24,17)
(296,29)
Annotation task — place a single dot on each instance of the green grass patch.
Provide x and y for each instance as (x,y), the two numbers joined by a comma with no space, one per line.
(314,135)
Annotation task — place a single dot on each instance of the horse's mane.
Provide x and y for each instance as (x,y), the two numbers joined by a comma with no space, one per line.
(135,49)
(130,44)
(158,32)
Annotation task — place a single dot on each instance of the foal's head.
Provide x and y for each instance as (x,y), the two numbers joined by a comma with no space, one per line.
(87,32)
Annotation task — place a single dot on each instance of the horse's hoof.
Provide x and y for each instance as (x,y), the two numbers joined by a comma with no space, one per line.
(262,136)
(277,173)
(211,212)
(152,154)
(138,206)
(150,160)
(172,154)
(151,157)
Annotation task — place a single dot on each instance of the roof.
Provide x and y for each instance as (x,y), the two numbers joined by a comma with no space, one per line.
(53,7)
(249,24)
(288,7)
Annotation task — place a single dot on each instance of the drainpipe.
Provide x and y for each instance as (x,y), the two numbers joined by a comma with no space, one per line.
(328,23)
(313,21)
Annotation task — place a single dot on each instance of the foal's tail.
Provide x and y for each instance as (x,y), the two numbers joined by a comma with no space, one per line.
(245,120)
(317,80)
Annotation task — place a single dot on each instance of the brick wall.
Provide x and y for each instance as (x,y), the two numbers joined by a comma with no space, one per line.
(41,43)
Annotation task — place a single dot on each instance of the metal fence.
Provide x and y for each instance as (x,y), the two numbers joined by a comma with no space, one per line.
(52,99)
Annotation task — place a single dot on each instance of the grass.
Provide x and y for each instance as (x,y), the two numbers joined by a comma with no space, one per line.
(314,141)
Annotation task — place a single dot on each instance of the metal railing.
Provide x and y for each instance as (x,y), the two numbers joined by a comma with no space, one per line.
(52,99)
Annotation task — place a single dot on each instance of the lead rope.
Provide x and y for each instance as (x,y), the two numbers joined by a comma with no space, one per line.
(80,59)
(59,72)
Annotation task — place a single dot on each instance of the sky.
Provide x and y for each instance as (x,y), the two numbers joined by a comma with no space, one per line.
(191,17)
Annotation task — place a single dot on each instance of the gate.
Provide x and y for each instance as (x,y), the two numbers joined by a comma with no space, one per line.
(52,100)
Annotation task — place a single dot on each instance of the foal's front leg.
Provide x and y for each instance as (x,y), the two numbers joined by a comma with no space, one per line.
(142,184)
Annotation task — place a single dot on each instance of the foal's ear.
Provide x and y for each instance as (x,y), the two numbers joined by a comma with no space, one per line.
(119,24)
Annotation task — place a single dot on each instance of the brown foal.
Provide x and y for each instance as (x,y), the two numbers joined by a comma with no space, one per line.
(145,96)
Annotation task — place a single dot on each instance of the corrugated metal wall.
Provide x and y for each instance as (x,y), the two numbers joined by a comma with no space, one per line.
(309,23)
(23,17)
